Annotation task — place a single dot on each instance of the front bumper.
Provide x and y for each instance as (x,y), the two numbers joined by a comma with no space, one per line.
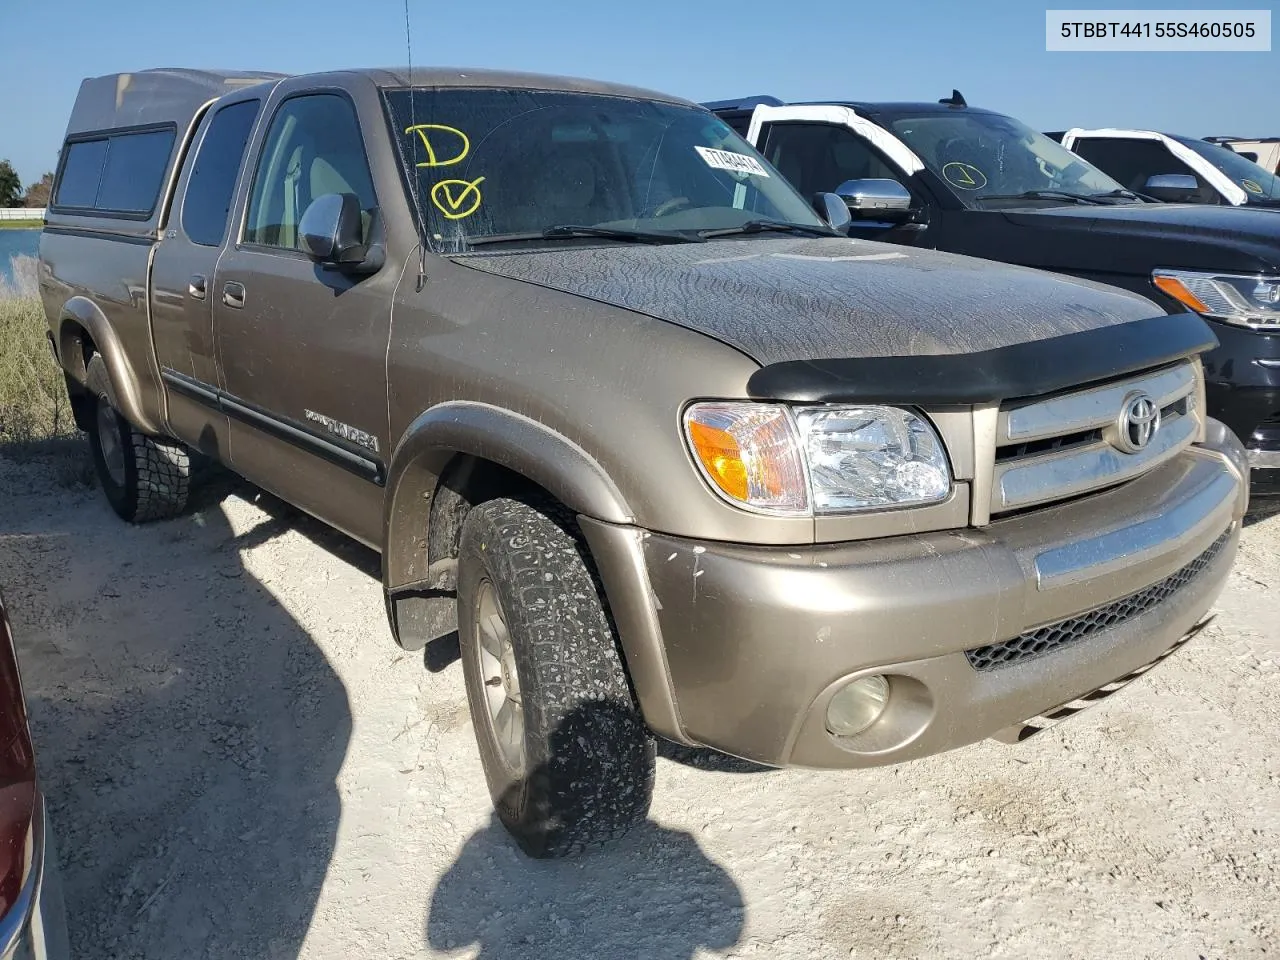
(35,927)
(1242,389)
(756,640)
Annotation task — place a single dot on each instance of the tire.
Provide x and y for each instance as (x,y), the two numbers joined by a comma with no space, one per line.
(586,774)
(144,478)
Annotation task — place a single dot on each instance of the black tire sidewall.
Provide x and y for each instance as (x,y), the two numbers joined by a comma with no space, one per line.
(508,793)
(123,498)
(567,798)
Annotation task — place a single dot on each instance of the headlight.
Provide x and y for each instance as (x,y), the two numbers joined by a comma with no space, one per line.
(1245,301)
(817,460)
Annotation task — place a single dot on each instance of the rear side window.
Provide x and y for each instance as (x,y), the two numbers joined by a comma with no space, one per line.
(81,174)
(212,184)
(121,173)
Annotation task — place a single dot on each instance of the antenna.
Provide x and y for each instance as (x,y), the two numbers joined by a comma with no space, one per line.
(413,171)
(955,100)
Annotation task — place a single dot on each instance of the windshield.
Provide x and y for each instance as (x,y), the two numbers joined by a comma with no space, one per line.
(985,156)
(1257,183)
(490,164)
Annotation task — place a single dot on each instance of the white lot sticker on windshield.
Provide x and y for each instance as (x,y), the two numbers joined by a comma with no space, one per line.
(733,162)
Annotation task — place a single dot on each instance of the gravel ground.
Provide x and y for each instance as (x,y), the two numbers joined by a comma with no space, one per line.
(241,763)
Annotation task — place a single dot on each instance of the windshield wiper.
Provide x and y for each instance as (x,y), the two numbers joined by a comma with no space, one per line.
(1089,198)
(760,226)
(1122,194)
(570,230)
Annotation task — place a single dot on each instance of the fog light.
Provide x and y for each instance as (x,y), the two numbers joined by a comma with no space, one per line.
(857,706)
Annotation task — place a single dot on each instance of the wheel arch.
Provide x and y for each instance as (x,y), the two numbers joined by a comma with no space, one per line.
(502,443)
(84,331)
(460,454)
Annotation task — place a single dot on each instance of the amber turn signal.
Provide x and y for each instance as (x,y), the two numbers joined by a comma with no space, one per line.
(750,454)
(1178,290)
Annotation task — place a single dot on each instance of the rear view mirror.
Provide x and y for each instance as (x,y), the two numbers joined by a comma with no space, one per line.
(331,232)
(833,210)
(1172,187)
(876,199)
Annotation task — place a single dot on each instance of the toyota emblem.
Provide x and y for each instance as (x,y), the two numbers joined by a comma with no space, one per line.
(1139,421)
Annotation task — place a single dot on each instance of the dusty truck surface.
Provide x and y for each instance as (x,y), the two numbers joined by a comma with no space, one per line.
(672,456)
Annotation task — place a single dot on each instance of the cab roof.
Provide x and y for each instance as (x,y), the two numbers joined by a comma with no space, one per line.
(863,107)
(390,77)
(175,95)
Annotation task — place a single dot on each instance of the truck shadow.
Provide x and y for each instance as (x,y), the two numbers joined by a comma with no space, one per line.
(189,731)
(654,895)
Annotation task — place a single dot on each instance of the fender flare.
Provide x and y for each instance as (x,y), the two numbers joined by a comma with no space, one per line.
(80,316)
(570,474)
(512,440)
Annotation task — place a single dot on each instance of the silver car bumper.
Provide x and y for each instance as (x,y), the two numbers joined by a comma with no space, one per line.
(35,928)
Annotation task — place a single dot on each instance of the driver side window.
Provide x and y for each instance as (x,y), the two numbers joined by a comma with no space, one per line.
(818,157)
(313,148)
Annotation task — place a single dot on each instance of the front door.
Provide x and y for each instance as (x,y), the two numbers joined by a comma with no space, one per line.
(302,348)
(182,276)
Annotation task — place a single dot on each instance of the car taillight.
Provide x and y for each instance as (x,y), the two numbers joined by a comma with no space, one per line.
(17,774)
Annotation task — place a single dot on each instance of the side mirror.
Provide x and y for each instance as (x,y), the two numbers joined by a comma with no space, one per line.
(1172,187)
(833,210)
(876,199)
(331,232)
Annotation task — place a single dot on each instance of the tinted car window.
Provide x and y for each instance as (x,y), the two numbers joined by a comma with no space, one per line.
(81,173)
(488,164)
(1133,162)
(213,178)
(818,157)
(313,148)
(134,171)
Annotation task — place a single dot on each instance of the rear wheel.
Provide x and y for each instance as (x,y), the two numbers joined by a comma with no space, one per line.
(144,478)
(568,758)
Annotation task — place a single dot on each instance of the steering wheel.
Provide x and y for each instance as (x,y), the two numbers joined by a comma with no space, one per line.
(670,206)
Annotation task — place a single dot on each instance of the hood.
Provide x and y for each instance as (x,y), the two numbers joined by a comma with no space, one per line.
(782,299)
(1207,236)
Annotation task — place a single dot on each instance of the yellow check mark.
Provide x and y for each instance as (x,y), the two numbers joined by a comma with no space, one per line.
(457,199)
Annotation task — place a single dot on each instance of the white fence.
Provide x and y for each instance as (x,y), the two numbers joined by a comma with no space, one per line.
(22,213)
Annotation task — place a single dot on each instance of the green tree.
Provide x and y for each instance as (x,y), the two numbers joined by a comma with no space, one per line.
(39,192)
(10,185)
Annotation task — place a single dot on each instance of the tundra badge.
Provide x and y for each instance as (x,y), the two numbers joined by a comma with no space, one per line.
(345,431)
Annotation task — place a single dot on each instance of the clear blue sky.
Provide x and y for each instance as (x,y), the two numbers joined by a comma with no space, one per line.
(992,50)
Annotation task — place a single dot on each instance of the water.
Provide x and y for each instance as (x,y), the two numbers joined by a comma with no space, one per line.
(12,243)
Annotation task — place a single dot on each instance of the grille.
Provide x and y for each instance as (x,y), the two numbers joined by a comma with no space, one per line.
(1035,643)
(1056,448)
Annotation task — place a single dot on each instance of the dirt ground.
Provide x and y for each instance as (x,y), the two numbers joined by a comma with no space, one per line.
(241,763)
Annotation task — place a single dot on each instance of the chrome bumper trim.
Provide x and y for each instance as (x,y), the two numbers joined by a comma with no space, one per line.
(1264,459)
(1206,512)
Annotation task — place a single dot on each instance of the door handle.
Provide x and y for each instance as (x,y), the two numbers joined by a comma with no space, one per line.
(196,288)
(233,294)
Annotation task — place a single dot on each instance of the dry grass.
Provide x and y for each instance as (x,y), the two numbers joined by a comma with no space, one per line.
(35,415)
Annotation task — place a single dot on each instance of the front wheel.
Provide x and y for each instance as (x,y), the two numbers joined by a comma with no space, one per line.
(144,478)
(567,756)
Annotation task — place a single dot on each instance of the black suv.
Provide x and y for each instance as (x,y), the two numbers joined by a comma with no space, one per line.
(971,181)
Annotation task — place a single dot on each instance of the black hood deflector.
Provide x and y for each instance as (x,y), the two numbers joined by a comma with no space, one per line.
(1029,369)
